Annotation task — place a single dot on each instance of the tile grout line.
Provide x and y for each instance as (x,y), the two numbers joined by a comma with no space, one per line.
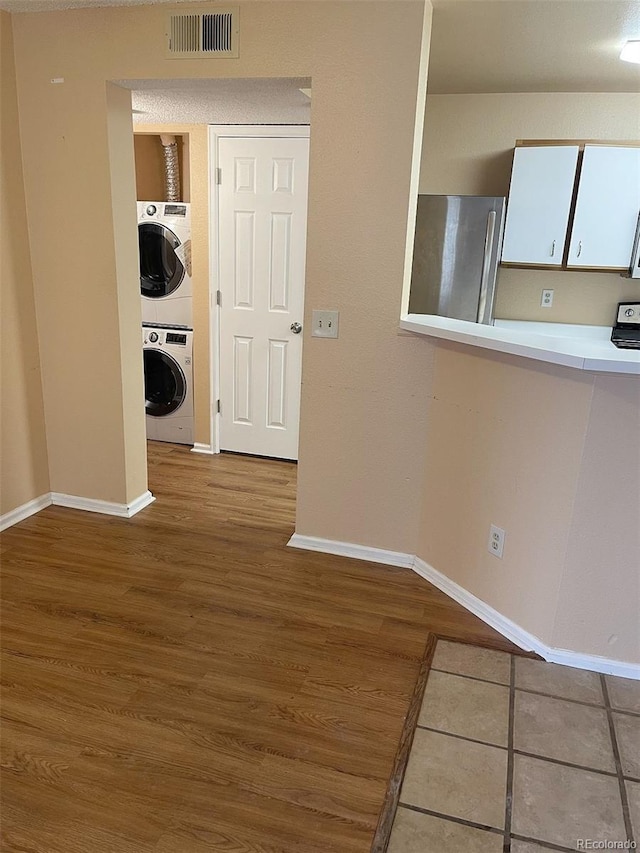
(451,818)
(616,755)
(612,774)
(561,698)
(508,806)
(548,845)
(460,737)
(536,692)
(546,758)
(483,827)
(582,702)
(471,677)
(625,713)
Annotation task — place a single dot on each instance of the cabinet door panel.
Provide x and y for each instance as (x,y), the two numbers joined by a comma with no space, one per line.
(540,196)
(607,207)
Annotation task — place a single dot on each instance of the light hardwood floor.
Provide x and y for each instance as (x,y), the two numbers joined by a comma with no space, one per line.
(183,682)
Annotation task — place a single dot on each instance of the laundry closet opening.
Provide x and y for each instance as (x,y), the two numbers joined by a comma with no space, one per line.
(221,184)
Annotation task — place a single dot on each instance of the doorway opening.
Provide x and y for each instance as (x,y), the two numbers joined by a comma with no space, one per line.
(187,109)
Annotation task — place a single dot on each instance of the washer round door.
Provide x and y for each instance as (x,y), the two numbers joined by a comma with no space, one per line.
(165,386)
(160,268)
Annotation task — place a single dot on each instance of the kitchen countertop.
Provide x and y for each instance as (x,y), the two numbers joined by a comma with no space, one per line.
(578,346)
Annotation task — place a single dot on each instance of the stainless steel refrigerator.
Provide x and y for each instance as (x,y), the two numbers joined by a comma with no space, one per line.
(456,253)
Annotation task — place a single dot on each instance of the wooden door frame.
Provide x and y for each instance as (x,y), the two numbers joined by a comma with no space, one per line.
(217,132)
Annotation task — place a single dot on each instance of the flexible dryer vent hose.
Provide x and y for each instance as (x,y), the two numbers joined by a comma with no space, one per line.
(171,168)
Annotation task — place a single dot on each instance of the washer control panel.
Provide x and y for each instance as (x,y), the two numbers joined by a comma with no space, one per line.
(159,335)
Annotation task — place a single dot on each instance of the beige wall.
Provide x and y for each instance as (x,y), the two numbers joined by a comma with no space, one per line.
(23,448)
(129,389)
(364,396)
(77,276)
(503,447)
(550,454)
(601,575)
(468,144)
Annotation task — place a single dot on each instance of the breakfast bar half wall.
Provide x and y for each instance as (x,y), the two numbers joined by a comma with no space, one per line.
(551,455)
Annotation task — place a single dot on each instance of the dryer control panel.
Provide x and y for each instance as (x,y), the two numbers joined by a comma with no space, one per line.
(175,210)
(175,338)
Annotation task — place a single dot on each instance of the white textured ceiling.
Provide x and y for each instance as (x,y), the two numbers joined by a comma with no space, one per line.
(532,46)
(233,101)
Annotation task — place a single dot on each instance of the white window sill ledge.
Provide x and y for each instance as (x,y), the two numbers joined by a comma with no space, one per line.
(582,347)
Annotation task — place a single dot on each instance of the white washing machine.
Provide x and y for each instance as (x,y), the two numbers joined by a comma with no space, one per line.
(164,241)
(168,383)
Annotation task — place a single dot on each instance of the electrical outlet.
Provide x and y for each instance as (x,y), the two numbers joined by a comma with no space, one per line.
(324,324)
(495,545)
(546,300)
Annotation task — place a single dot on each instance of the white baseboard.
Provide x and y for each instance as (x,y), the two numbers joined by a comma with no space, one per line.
(518,635)
(513,632)
(597,663)
(203,448)
(348,549)
(73,502)
(139,503)
(483,611)
(24,511)
(104,507)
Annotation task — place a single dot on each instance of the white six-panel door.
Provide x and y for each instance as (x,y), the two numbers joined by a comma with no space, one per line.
(262,211)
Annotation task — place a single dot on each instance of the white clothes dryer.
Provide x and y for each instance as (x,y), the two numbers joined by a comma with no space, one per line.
(164,242)
(168,383)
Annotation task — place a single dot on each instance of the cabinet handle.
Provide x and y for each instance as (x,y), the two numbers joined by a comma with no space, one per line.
(553,248)
(481,316)
(579,249)
(634,267)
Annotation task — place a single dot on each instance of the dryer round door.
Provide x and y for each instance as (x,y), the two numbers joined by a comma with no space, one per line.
(160,268)
(165,386)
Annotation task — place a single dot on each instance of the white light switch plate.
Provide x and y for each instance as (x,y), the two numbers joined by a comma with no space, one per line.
(324,324)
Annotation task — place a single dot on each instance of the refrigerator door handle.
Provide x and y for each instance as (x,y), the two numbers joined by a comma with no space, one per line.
(634,268)
(486,266)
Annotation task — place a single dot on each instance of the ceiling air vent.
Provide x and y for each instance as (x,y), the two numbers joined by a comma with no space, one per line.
(194,35)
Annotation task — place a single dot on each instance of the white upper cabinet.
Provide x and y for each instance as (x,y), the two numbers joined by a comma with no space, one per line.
(539,203)
(542,229)
(607,207)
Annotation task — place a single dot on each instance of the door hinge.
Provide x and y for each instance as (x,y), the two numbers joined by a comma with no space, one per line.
(218,297)
(218,175)
(218,407)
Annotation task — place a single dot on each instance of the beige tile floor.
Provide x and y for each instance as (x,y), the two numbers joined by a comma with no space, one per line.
(513,755)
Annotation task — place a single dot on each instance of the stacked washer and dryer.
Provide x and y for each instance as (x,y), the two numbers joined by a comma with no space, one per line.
(164,239)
